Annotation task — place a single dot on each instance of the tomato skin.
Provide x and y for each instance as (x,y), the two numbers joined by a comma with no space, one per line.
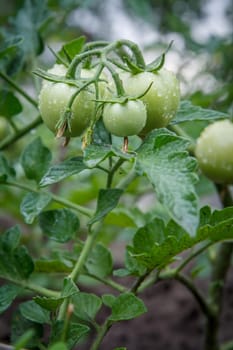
(54,98)
(162,99)
(125,119)
(214,151)
(4,128)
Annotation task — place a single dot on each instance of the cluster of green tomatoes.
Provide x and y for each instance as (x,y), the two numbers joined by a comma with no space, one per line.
(112,82)
(130,102)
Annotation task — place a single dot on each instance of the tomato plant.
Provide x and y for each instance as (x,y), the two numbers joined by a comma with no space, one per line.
(125,119)
(161,100)
(68,207)
(214,151)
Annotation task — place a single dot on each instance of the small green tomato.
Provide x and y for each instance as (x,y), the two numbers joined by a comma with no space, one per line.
(162,100)
(214,151)
(125,119)
(54,98)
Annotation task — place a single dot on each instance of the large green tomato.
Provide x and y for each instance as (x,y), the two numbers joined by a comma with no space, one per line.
(125,119)
(4,128)
(54,98)
(214,151)
(162,99)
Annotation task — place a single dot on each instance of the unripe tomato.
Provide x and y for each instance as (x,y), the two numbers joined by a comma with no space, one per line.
(125,119)
(214,151)
(54,98)
(162,99)
(4,128)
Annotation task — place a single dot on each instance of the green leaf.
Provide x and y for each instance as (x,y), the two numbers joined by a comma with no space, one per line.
(75,333)
(8,293)
(100,134)
(52,266)
(6,171)
(155,244)
(121,348)
(63,170)
(107,201)
(108,299)
(58,346)
(21,326)
(9,46)
(15,262)
(60,225)
(9,104)
(33,312)
(189,112)
(126,307)
(86,305)
(24,339)
(166,163)
(96,153)
(100,262)
(33,204)
(51,304)
(72,48)
(35,159)
(69,288)
(157,249)
(28,23)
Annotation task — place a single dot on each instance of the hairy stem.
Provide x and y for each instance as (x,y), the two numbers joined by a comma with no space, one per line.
(218,276)
(20,133)
(60,200)
(101,334)
(18,89)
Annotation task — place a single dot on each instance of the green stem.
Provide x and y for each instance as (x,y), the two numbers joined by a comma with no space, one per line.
(78,59)
(136,51)
(79,265)
(113,170)
(35,288)
(123,184)
(219,272)
(100,336)
(193,255)
(18,89)
(117,81)
(188,283)
(20,133)
(218,276)
(58,199)
(108,282)
(135,287)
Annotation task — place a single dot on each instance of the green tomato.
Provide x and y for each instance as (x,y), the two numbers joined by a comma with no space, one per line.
(125,119)
(4,128)
(162,99)
(214,151)
(54,98)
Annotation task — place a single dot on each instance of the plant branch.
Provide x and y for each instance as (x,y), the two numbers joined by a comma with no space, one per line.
(109,282)
(218,276)
(100,335)
(20,133)
(112,172)
(35,288)
(18,89)
(188,283)
(58,199)
(193,255)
